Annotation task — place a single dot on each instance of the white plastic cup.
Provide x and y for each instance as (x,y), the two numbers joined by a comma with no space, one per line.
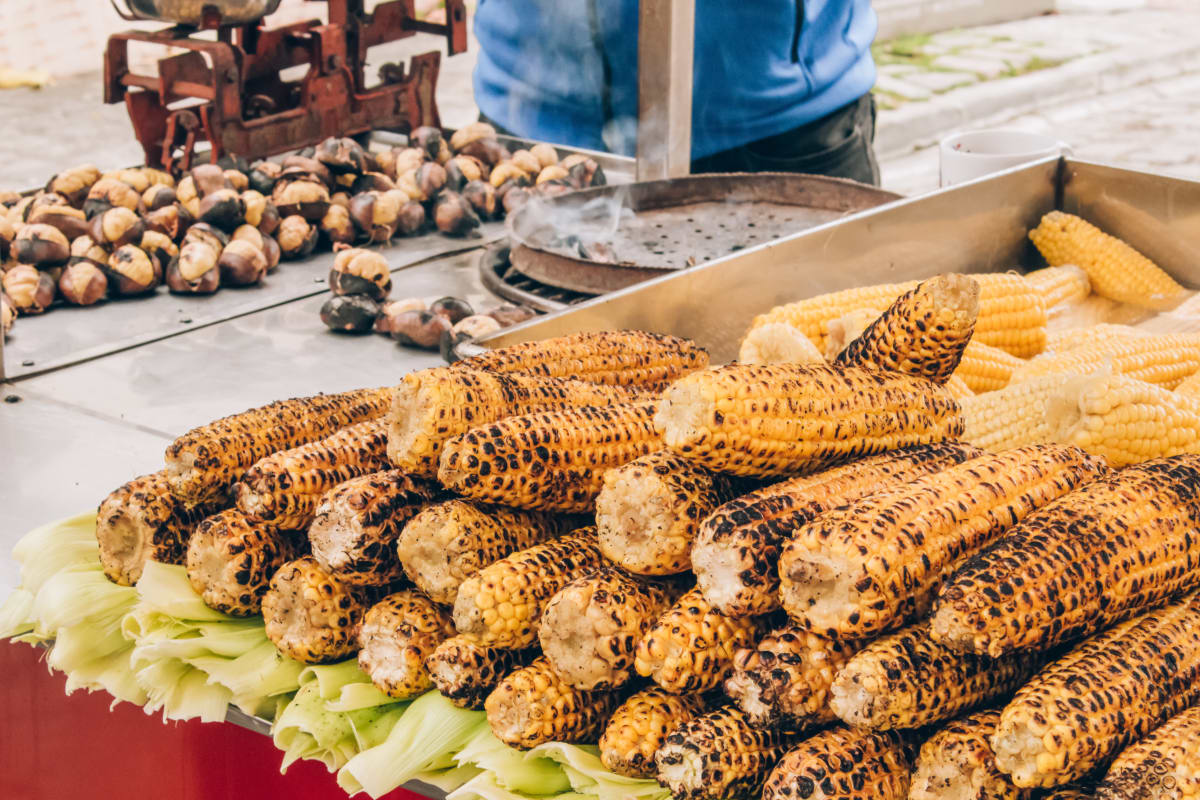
(966,156)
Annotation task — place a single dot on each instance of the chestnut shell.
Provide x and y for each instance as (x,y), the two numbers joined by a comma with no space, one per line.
(349,313)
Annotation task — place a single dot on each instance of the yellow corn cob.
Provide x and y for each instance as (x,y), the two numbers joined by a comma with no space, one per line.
(1082,710)
(813,315)
(907,680)
(846,328)
(957,763)
(690,647)
(1189,387)
(1121,543)
(231,558)
(142,521)
(763,421)
(777,343)
(923,333)
(1064,341)
(1163,766)
(876,564)
(786,678)
(736,553)
(1115,269)
(1162,360)
(206,461)
(432,406)
(310,615)
(1060,285)
(843,764)
(502,604)
(398,633)
(624,358)
(286,487)
(533,706)
(465,673)
(649,510)
(986,369)
(1014,416)
(554,461)
(639,727)
(958,388)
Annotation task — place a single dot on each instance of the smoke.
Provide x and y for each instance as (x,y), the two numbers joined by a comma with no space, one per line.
(568,227)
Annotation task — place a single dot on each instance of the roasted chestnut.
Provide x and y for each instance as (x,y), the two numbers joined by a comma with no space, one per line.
(340,199)
(461,170)
(161,250)
(223,209)
(158,196)
(482,197)
(508,171)
(527,161)
(203,232)
(132,177)
(447,344)
(428,139)
(419,328)
(389,310)
(30,290)
(40,245)
(260,212)
(350,313)
(358,271)
(262,176)
(108,193)
(453,215)
(411,218)
(553,188)
(452,308)
(514,197)
(407,183)
(265,243)
(510,315)
(337,226)
(157,177)
(554,172)
(300,167)
(430,178)
(242,263)
(489,151)
(84,248)
(342,155)
(195,270)
(8,314)
(208,178)
(132,271)
(375,214)
(583,171)
(82,284)
(116,227)
(188,196)
(237,180)
(307,198)
(545,154)
(296,237)
(71,221)
(74,183)
(172,220)
(7,234)
(476,325)
(371,182)
(472,131)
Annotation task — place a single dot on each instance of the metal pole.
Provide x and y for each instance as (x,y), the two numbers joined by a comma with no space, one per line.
(665,43)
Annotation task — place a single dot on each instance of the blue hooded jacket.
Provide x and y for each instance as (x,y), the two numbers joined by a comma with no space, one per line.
(565,71)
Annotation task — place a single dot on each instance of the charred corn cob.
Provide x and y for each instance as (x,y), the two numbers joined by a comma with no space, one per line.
(639,727)
(1118,544)
(398,633)
(958,388)
(907,680)
(286,487)
(206,461)
(720,755)
(1115,269)
(310,615)
(432,406)
(142,521)
(502,604)
(1162,360)
(1060,285)
(231,558)
(1083,709)
(777,343)
(877,563)
(533,706)
(465,673)
(354,531)
(763,421)
(1189,387)
(1063,341)
(985,368)
(845,329)
(1014,416)
(591,626)
(619,358)
(813,316)
(786,678)
(923,333)
(957,763)
(648,511)
(842,764)
(736,553)
(1163,766)
(553,461)
(690,647)
(449,542)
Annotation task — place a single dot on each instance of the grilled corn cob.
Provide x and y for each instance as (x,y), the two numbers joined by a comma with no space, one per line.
(1189,387)
(814,315)
(398,633)
(432,406)
(310,615)
(777,343)
(842,764)
(533,706)
(786,678)
(553,461)
(907,680)
(465,673)
(1118,544)
(1115,269)
(877,563)
(640,726)
(690,647)
(1060,285)
(1163,766)
(206,461)
(957,763)
(502,604)
(1063,341)
(142,521)
(619,358)
(231,558)
(354,530)
(1162,360)
(1014,416)
(846,328)
(286,487)
(1083,709)
(985,368)
(720,755)
(923,333)
(649,510)
(764,421)
(736,553)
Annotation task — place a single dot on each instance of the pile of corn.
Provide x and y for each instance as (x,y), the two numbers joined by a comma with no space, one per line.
(898,572)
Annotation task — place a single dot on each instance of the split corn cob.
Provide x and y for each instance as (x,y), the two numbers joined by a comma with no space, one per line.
(958,388)
(553,461)
(142,521)
(1121,543)
(1014,416)
(985,368)
(764,421)
(1115,269)
(354,530)
(465,673)
(639,726)
(845,329)
(812,316)
(398,633)
(533,706)
(907,680)
(1162,360)
(1060,285)
(1163,766)
(736,553)
(777,343)
(842,764)
(876,564)
(957,763)
(1189,387)
(1064,341)
(1080,711)
(206,461)
(502,604)
(310,615)
(231,558)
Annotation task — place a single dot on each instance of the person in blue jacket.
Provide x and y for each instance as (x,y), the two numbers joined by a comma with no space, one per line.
(779,85)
